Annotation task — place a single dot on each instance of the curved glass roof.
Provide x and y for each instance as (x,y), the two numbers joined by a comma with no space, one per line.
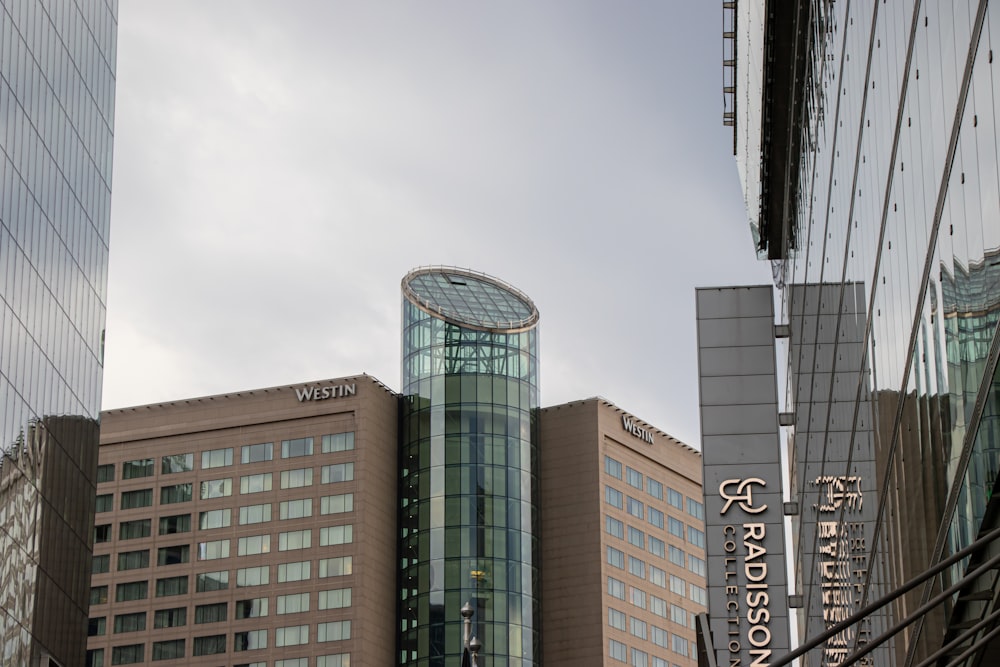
(469,298)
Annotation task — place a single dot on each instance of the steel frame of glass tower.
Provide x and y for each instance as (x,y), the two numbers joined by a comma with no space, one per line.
(468,469)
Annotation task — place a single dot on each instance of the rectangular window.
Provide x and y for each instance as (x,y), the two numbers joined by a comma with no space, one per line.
(213,550)
(178,523)
(633,478)
(211,613)
(295,539)
(612,467)
(614,497)
(340,472)
(131,530)
(210,645)
(675,527)
(677,585)
(675,498)
(657,576)
(253,576)
(617,650)
(337,598)
(614,527)
(298,478)
(106,473)
(255,514)
(698,594)
(334,631)
(97,627)
(217,458)
(637,627)
(659,637)
(257,453)
(655,517)
(336,535)
(295,509)
(636,567)
(299,571)
(636,508)
(135,622)
(678,644)
(616,558)
(133,560)
(654,488)
(616,619)
(338,442)
(696,537)
(616,588)
(133,590)
(255,544)
(216,488)
(696,565)
(676,556)
(174,463)
(249,640)
(100,564)
(137,469)
(696,509)
(128,655)
(177,493)
(255,483)
(105,502)
(657,547)
(98,595)
(172,586)
(137,498)
(636,537)
(294,603)
(169,649)
(637,596)
(658,606)
(251,608)
(333,660)
(292,662)
(291,636)
(214,519)
(639,658)
(678,615)
(337,504)
(336,567)
(291,449)
(170,618)
(205,582)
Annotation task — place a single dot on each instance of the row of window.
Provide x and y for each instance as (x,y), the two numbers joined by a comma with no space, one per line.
(634,478)
(639,658)
(637,537)
(637,596)
(95,658)
(616,558)
(214,581)
(655,517)
(220,458)
(648,632)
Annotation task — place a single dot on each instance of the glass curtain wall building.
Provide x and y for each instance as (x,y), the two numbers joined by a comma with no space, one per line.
(468,469)
(866,137)
(57,90)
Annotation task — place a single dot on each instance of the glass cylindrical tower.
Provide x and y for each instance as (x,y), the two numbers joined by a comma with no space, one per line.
(468,469)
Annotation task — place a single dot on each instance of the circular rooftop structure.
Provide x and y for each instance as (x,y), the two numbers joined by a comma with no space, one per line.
(470,299)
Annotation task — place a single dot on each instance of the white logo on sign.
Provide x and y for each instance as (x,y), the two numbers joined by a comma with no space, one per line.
(743,495)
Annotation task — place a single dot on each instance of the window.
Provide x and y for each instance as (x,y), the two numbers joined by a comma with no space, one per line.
(654,488)
(636,508)
(338,442)
(292,662)
(655,517)
(696,565)
(639,658)
(257,453)
(211,581)
(657,547)
(338,504)
(255,483)
(612,467)
(102,533)
(696,537)
(214,519)
(696,509)
(658,606)
(657,576)
(294,448)
(176,493)
(616,619)
(137,469)
(173,555)
(336,567)
(678,615)
(636,567)
(336,598)
(335,660)
(291,636)
(678,585)
(637,627)
(130,622)
(130,530)
(133,560)
(252,608)
(168,650)
(216,488)
(294,603)
(255,544)
(698,594)
(249,640)
(616,588)
(106,473)
(95,658)
(217,458)
(633,478)
(253,576)
(211,613)
(105,502)
(128,655)
(636,537)
(637,597)
(170,618)
(340,472)
(255,514)
(98,595)
(299,571)
(178,523)
(334,631)
(138,498)
(616,558)
(675,498)
(616,650)
(676,556)
(660,637)
(614,527)
(295,509)
(336,535)
(97,627)
(169,586)
(174,463)
(133,590)
(100,564)
(614,497)
(295,539)
(213,550)
(675,527)
(660,662)
(678,644)
(294,479)
(210,645)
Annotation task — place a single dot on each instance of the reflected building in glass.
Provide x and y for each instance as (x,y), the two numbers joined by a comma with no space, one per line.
(468,470)
(866,141)
(57,89)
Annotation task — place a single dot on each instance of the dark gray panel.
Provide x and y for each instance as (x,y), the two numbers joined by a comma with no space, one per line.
(722,420)
(736,332)
(741,389)
(739,449)
(715,302)
(745,360)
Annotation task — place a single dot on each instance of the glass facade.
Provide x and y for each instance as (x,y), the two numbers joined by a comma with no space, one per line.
(57,85)
(468,470)
(895,212)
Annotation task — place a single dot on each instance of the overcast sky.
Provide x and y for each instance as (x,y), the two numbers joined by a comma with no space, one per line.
(279,166)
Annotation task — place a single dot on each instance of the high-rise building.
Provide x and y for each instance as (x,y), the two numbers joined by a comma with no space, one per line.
(866,141)
(57,90)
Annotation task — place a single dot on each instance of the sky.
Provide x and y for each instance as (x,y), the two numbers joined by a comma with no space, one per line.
(279,167)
